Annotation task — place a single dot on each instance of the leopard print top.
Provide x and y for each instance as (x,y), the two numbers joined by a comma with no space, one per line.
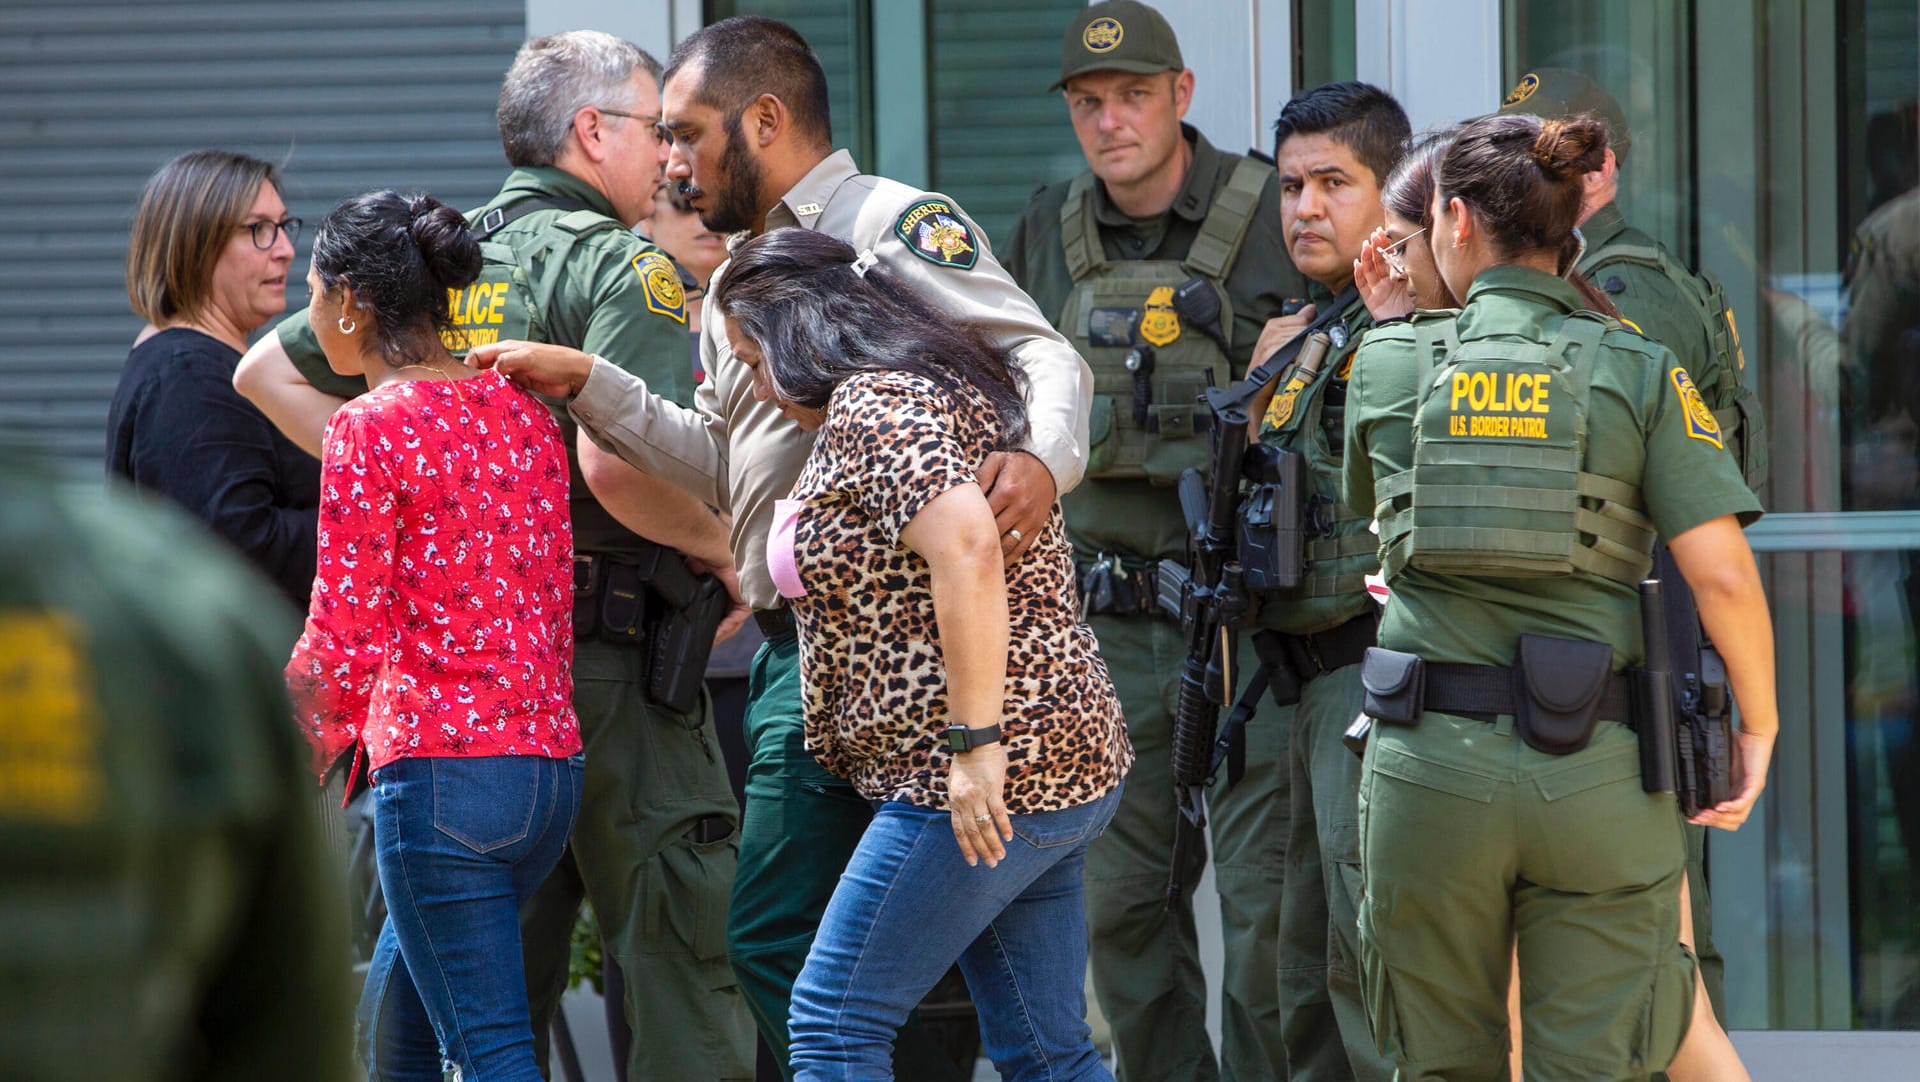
(870,662)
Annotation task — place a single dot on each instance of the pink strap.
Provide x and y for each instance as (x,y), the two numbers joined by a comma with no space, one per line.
(780,563)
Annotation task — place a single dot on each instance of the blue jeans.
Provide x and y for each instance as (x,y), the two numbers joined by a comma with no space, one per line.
(460,844)
(908,906)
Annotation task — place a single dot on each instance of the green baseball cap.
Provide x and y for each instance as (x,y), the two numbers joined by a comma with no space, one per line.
(1119,36)
(1560,93)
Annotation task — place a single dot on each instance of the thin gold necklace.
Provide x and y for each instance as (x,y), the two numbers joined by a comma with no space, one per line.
(426,368)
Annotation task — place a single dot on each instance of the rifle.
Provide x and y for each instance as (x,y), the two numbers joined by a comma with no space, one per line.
(1211,599)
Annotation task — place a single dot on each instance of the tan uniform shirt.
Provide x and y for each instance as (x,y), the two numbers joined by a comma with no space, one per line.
(740,454)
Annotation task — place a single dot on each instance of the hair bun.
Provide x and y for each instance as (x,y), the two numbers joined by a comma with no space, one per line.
(448,249)
(1568,147)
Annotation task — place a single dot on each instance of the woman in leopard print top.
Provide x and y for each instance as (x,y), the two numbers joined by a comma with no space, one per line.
(910,627)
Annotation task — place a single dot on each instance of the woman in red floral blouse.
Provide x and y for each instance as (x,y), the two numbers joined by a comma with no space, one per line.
(438,645)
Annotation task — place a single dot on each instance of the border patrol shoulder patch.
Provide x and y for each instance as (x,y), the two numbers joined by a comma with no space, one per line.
(661,281)
(1700,422)
(935,232)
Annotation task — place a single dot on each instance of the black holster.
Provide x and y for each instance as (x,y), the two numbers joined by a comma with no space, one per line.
(682,638)
(1559,686)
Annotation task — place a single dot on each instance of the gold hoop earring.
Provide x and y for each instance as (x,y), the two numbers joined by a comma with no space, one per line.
(347,326)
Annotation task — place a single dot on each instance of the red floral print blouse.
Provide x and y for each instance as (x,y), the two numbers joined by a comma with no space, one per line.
(441,622)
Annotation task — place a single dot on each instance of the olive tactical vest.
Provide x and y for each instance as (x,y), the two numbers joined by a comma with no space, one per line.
(1735,407)
(516,285)
(1498,486)
(1119,308)
(514,299)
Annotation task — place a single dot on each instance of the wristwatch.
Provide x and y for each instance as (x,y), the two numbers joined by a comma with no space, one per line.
(962,739)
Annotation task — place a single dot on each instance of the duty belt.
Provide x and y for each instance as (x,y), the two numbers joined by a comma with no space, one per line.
(1112,586)
(1321,652)
(1483,691)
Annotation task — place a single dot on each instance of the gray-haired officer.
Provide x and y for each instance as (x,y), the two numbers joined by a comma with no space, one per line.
(1160,210)
(653,846)
(1659,297)
(168,910)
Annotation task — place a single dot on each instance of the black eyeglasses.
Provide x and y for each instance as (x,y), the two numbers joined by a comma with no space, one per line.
(660,132)
(264,233)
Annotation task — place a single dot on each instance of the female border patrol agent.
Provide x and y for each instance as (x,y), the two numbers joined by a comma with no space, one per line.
(1521,456)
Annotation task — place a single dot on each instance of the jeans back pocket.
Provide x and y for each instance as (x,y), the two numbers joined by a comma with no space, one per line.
(486,803)
(1044,830)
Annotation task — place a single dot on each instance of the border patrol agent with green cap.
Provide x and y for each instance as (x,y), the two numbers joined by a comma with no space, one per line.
(1502,792)
(1334,146)
(654,845)
(168,908)
(1688,314)
(1105,255)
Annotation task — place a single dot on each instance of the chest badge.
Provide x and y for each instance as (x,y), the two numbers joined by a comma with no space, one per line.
(1160,324)
(1280,411)
(934,231)
(1700,422)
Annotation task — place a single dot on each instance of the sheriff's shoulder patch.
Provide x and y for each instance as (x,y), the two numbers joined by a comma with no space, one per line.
(935,232)
(661,281)
(1700,422)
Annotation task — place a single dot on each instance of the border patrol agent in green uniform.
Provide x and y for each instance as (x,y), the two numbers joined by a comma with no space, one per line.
(654,845)
(1688,314)
(168,910)
(1107,258)
(1335,145)
(1517,618)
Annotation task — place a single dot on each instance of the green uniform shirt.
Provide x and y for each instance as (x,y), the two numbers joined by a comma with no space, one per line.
(1135,518)
(602,304)
(168,908)
(1637,431)
(1311,419)
(1643,295)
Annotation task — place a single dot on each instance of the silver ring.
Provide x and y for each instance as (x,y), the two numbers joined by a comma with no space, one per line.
(983,818)
(1016,535)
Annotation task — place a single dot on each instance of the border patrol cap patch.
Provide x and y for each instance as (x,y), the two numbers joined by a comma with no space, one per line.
(935,232)
(1700,422)
(1521,91)
(1103,35)
(661,281)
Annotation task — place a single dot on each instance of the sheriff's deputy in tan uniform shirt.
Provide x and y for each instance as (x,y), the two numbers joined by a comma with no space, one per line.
(745,102)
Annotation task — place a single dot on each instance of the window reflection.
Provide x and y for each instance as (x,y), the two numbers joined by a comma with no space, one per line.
(1883,782)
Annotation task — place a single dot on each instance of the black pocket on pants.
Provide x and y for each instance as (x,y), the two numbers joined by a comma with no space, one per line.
(1395,685)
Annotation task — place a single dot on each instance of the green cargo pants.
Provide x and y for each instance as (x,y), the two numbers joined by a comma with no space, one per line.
(1323,1020)
(660,896)
(1468,838)
(802,823)
(1145,959)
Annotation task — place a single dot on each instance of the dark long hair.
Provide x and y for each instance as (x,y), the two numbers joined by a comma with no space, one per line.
(1523,176)
(402,253)
(1408,189)
(818,322)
